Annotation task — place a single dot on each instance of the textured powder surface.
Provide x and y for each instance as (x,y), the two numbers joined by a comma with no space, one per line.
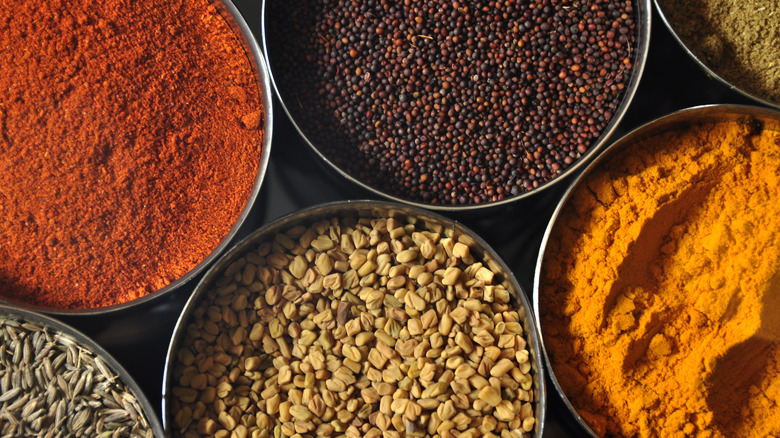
(125,159)
(660,289)
(738,40)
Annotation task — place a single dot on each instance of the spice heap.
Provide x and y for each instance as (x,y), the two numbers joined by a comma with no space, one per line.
(659,295)
(453,102)
(131,138)
(739,42)
(355,328)
(52,386)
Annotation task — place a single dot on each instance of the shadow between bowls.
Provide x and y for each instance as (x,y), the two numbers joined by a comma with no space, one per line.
(364,209)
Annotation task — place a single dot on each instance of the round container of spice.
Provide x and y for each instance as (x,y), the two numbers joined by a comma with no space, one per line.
(358,318)
(455,105)
(55,381)
(656,286)
(132,155)
(737,45)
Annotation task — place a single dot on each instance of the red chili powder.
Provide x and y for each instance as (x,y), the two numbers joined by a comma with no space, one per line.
(130,138)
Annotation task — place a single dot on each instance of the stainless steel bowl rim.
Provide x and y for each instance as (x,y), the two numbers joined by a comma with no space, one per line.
(643,43)
(336,210)
(83,340)
(706,68)
(260,68)
(683,117)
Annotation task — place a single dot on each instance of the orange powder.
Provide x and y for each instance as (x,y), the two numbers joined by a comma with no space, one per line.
(660,287)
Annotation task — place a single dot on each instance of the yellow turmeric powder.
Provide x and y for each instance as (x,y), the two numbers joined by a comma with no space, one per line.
(660,286)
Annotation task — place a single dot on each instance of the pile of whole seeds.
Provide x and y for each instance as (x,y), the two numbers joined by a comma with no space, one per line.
(50,386)
(448,102)
(362,327)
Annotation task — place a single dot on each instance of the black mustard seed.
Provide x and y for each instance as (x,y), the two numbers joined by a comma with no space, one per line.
(448,102)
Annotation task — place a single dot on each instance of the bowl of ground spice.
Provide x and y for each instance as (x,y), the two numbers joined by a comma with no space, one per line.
(656,288)
(455,105)
(135,137)
(55,381)
(736,43)
(356,319)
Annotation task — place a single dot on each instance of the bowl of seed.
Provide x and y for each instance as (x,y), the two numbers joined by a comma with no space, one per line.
(455,105)
(356,318)
(55,381)
(738,46)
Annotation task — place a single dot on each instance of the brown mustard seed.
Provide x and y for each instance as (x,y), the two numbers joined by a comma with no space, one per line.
(308,356)
(453,102)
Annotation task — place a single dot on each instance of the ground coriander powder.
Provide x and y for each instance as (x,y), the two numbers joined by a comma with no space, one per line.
(738,40)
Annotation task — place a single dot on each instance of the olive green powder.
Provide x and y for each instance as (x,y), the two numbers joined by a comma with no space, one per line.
(739,40)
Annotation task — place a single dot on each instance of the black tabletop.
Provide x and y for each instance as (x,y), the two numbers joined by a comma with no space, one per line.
(139,338)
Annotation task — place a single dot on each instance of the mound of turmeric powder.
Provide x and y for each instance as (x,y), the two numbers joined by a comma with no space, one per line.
(660,286)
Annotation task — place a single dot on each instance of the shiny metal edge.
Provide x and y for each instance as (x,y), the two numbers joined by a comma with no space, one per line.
(363,208)
(715,113)
(236,21)
(643,24)
(87,342)
(706,68)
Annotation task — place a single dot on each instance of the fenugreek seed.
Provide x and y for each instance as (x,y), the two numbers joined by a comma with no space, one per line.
(473,305)
(451,276)
(322,243)
(332,281)
(514,328)
(460,250)
(324,263)
(424,278)
(484,274)
(185,395)
(335,385)
(504,411)
(522,356)
(501,367)
(501,295)
(489,395)
(406,255)
(307,338)
(363,338)
(298,266)
(376,358)
(461,420)
(366,268)
(386,339)
(484,338)
(396,283)
(300,413)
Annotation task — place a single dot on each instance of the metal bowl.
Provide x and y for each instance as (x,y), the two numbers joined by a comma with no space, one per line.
(357,210)
(767,118)
(292,106)
(66,336)
(236,21)
(706,68)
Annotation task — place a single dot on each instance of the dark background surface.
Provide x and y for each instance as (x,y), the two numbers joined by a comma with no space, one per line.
(138,338)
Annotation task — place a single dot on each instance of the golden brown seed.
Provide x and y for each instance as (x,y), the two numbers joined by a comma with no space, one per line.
(363,338)
(451,276)
(359,330)
(490,395)
(504,411)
